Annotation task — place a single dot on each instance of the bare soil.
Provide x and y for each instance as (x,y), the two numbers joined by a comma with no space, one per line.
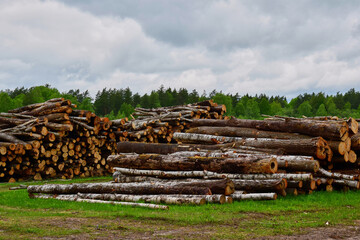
(158,229)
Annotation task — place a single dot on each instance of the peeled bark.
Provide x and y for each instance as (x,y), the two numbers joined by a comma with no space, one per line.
(163,162)
(125,188)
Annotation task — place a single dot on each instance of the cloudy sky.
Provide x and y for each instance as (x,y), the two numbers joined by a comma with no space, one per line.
(273,47)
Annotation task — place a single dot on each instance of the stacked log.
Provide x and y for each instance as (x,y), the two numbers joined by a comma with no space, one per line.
(158,125)
(53,140)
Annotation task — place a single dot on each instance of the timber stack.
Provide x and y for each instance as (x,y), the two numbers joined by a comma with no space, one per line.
(158,125)
(53,140)
(278,155)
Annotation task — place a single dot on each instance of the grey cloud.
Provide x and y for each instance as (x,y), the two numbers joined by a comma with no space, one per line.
(273,47)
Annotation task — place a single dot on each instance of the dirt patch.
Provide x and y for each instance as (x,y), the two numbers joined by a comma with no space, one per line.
(336,232)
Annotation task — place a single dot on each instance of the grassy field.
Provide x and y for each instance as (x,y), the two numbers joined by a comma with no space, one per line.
(24,218)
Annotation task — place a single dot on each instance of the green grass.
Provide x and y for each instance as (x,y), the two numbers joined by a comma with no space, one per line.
(24,218)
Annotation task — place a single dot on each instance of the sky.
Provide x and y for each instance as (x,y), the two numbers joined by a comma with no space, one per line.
(257,46)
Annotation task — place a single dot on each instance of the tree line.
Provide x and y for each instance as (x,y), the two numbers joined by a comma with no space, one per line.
(119,103)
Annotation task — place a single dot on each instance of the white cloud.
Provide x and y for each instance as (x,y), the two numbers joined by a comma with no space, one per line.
(235,46)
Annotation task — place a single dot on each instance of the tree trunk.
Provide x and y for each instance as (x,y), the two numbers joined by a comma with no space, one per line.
(299,165)
(125,188)
(253,196)
(328,130)
(77,199)
(245,132)
(167,199)
(316,147)
(270,185)
(163,162)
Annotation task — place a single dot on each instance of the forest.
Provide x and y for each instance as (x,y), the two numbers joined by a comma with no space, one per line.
(119,103)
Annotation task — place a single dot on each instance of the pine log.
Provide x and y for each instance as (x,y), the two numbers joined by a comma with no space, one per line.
(328,130)
(163,162)
(245,132)
(125,188)
(299,165)
(314,146)
(270,185)
(162,148)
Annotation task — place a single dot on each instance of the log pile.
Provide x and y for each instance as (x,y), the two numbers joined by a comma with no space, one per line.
(53,140)
(277,155)
(158,125)
(193,154)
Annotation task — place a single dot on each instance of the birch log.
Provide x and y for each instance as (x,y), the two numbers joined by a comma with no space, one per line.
(253,196)
(73,197)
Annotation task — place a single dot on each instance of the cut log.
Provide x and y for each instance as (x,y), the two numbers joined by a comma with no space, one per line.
(323,172)
(125,188)
(271,185)
(316,147)
(253,196)
(328,130)
(77,199)
(167,199)
(163,162)
(245,132)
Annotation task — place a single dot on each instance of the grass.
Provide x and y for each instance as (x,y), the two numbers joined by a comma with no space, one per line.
(24,218)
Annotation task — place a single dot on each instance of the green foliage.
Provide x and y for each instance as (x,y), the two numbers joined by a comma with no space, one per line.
(6,102)
(252,109)
(321,111)
(275,108)
(224,99)
(126,109)
(305,109)
(122,101)
(239,109)
(264,106)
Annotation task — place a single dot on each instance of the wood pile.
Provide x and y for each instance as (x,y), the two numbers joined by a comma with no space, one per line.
(53,140)
(158,125)
(193,154)
(272,156)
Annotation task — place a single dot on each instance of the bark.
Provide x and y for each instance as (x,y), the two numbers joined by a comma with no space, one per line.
(166,199)
(162,148)
(323,172)
(162,174)
(328,130)
(288,176)
(355,141)
(77,199)
(223,186)
(299,165)
(125,188)
(247,164)
(349,183)
(245,132)
(270,185)
(314,146)
(253,196)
